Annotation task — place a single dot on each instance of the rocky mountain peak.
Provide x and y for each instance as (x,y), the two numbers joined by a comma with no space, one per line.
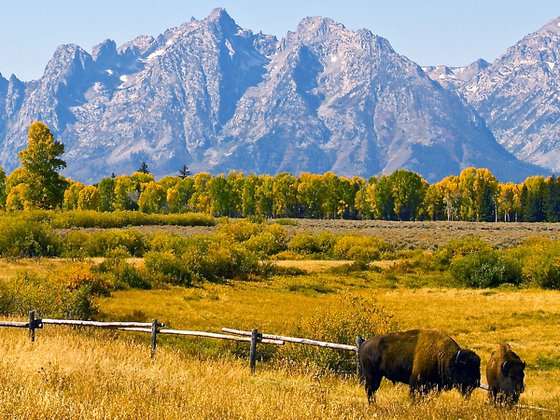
(552,27)
(68,58)
(218,97)
(519,97)
(105,53)
(220,18)
(138,46)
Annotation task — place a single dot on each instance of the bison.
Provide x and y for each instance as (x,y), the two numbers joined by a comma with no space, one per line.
(426,360)
(505,374)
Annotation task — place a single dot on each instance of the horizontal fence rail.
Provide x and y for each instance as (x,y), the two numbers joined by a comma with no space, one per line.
(204,334)
(14,324)
(297,340)
(99,324)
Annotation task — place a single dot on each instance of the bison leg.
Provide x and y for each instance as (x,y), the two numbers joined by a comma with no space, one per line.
(373,380)
(420,388)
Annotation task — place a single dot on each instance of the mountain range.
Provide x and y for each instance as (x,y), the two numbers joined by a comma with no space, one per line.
(217,97)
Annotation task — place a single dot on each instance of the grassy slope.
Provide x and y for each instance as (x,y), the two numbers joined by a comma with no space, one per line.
(75,375)
(72,374)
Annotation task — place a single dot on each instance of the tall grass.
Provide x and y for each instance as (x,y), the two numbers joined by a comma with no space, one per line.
(66,374)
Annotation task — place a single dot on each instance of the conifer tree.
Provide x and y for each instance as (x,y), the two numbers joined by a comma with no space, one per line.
(144,168)
(184,172)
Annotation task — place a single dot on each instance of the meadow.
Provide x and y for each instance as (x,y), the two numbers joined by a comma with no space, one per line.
(69,373)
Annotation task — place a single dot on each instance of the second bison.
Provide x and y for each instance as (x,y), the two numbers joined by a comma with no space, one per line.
(505,375)
(426,360)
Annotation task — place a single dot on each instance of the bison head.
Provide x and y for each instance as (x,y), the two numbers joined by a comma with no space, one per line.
(511,384)
(466,369)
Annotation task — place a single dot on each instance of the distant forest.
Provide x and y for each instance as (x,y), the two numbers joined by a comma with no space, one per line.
(473,195)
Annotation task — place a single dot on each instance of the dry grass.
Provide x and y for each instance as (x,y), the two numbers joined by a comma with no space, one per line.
(70,375)
(99,374)
(312,266)
(9,268)
(478,319)
(401,234)
(428,234)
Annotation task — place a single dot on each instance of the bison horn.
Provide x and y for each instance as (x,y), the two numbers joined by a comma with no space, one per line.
(457,357)
(505,367)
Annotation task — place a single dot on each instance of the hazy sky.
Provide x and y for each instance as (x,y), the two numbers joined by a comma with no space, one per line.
(452,32)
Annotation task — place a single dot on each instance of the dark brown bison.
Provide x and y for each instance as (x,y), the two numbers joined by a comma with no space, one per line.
(505,374)
(426,360)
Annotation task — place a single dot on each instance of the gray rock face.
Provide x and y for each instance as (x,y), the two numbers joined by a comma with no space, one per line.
(217,97)
(519,97)
(453,78)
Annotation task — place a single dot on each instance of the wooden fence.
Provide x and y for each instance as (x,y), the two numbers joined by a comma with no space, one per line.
(155,328)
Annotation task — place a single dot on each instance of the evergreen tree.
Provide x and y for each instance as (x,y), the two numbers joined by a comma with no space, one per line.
(184,172)
(552,199)
(144,168)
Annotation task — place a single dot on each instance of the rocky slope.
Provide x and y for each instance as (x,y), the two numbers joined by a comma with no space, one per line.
(217,97)
(518,96)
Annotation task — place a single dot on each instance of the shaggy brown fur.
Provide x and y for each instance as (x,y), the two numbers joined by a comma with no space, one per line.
(426,360)
(505,375)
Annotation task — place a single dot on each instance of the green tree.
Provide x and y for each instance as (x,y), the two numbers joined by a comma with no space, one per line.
(380,198)
(433,207)
(152,199)
(3,193)
(19,198)
(144,168)
(200,198)
(184,172)
(89,198)
(71,196)
(219,195)
(248,195)
(106,194)
(285,192)
(408,190)
(552,199)
(532,199)
(41,161)
(126,194)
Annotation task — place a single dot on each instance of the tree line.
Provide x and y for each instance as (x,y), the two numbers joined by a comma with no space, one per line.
(473,195)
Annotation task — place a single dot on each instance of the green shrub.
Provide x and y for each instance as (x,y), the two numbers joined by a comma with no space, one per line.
(164,241)
(166,267)
(23,237)
(120,274)
(49,298)
(80,275)
(270,241)
(220,260)
(238,231)
(99,244)
(340,322)
(123,218)
(456,248)
(540,261)
(359,248)
(486,269)
(305,243)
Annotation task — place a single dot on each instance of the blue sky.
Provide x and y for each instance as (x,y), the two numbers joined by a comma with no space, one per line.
(452,32)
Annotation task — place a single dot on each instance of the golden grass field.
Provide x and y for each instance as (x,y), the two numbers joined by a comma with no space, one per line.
(103,374)
(70,373)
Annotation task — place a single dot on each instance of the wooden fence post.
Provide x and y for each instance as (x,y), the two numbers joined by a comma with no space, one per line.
(360,369)
(253,353)
(154,337)
(32,325)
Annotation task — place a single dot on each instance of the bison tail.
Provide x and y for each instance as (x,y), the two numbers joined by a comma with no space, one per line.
(359,342)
